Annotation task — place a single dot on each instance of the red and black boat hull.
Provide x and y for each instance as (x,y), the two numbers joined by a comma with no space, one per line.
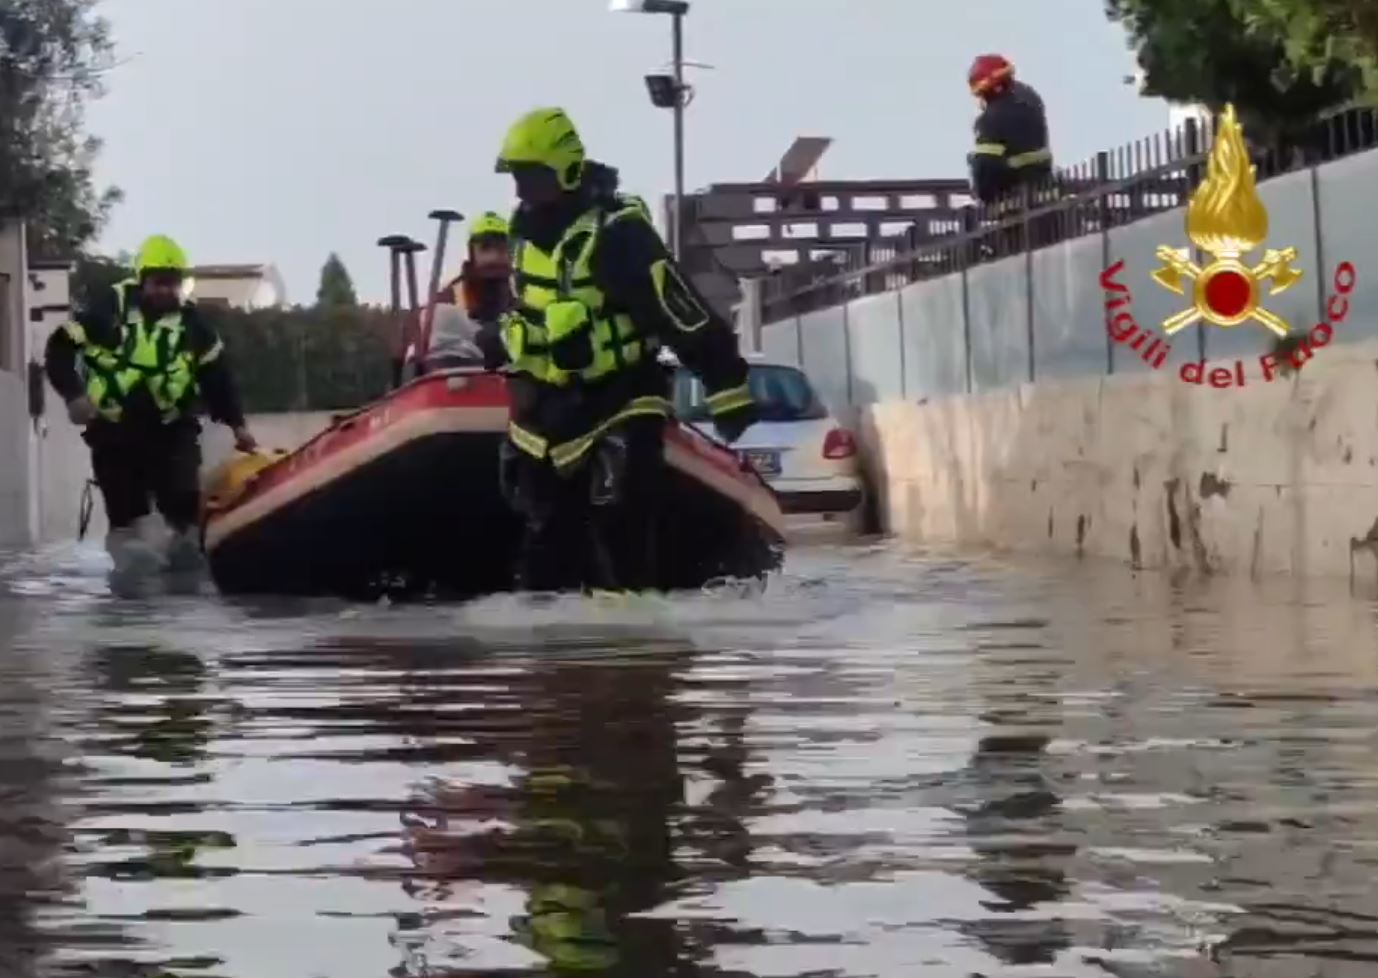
(403,497)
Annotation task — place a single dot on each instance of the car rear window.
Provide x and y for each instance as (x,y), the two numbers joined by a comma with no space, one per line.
(781,394)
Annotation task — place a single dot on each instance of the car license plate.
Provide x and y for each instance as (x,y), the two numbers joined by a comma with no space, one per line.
(764,462)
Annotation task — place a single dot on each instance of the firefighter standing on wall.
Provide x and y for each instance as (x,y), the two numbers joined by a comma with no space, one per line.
(130,369)
(596,296)
(1011,132)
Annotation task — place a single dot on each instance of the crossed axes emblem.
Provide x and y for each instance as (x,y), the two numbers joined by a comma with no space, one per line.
(1276,267)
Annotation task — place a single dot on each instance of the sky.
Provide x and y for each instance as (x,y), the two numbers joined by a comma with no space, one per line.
(282,130)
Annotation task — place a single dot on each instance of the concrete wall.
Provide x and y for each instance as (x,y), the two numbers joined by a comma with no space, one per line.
(996,409)
(274,431)
(67,466)
(17,448)
(1271,478)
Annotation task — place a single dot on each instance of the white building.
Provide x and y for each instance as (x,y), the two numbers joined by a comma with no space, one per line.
(1177,115)
(48,297)
(238,286)
(1177,112)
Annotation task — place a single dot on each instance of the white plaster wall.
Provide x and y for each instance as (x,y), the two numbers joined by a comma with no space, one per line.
(274,431)
(14,466)
(63,468)
(66,464)
(48,296)
(17,467)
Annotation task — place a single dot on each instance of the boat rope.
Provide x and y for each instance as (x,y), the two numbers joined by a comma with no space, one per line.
(88,503)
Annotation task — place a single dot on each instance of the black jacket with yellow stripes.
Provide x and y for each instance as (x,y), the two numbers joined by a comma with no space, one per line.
(101,323)
(1011,143)
(621,267)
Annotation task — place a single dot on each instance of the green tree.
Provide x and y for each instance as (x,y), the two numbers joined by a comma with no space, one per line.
(1213,52)
(337,288)
(1316,34)
(52,53)
(96,274)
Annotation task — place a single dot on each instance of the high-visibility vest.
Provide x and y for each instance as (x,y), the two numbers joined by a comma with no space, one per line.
(562,329)
(154,355)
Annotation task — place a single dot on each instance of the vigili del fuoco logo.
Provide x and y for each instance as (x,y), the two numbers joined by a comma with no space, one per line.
(1226,220)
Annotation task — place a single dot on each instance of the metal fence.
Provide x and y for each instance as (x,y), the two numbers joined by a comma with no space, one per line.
(1112,189)
(1014,295)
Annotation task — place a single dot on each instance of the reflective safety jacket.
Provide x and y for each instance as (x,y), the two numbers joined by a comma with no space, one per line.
(597,295)
(1011,143)
(564,328)
(130,364)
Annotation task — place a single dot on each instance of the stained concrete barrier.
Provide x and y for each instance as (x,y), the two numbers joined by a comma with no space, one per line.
(997,409)
(1270,478)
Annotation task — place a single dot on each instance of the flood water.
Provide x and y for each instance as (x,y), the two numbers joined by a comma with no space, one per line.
(885,765)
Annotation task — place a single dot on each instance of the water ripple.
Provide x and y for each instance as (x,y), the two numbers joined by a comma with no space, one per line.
(885,764)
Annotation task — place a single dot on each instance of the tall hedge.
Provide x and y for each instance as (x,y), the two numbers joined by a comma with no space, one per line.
(307,359)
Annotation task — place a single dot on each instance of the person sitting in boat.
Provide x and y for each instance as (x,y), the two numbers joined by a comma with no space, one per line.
(130,369)
(480,293)
(597,293)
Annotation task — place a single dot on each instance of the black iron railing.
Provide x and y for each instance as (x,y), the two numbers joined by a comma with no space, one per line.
(1112,189)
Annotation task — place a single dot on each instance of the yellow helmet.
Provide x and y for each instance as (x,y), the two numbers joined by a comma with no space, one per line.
(545,137)
(489,222)
(160,254)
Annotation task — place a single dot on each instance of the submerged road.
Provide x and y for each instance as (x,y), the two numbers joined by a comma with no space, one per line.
(886,765)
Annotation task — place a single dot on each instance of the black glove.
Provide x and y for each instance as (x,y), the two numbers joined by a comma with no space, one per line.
(731,424)
(489,341)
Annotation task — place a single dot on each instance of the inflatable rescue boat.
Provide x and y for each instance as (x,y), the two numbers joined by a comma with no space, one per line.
(401,497)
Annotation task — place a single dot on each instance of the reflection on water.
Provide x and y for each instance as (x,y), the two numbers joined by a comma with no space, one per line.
(583,827)
(883,766)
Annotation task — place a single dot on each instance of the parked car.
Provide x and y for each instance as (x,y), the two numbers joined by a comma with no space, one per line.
(798,446)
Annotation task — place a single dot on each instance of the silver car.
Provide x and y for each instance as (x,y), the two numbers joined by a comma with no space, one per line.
(798,446)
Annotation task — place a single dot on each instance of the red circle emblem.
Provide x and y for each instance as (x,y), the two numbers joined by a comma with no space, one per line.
(1228,293)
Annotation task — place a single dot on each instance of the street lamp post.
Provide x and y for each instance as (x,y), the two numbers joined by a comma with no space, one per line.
(668,92)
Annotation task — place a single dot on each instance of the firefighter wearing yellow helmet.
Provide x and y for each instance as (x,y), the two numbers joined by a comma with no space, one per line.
(486,291)
(131,368)
(597,296)
(481,292)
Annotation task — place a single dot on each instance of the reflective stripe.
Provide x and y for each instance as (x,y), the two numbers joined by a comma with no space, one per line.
(1031,158)
(527,441)
(213,353)
(677,299)
(76,331)
(989,149)
(153,355)
(564,276)
(729,400)
(566,454)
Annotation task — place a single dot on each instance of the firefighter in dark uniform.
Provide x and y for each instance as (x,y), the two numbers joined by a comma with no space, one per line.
(597,295)
(130,370)
(1011,132)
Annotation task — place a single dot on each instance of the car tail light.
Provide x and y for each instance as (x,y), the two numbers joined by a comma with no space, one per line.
(839,444)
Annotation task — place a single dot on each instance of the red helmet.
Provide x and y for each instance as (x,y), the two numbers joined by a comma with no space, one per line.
(987,72)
